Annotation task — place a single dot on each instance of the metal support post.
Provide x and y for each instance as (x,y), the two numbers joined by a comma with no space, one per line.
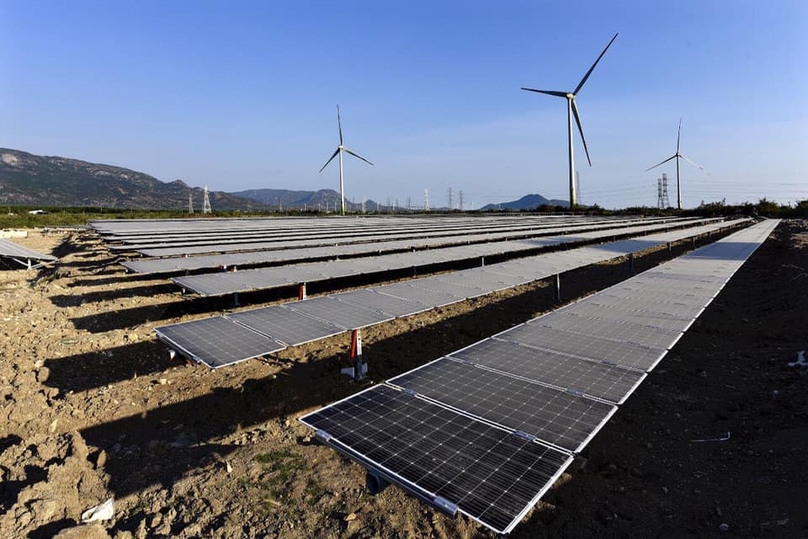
(631,262)
(301,293)
(359,370)
(558,287)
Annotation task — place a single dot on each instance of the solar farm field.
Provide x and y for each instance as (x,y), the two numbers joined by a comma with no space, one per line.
(712,441)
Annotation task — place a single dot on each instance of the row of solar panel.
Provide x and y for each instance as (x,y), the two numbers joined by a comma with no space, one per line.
(224,340)
(221,283)
(298,251)
(312,240)
(368,233)
(158,227)
(488,429)
(23,255)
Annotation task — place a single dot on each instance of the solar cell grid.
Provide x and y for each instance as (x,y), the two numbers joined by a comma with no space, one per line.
(285,325)
(449,285)
(488,473)
(563,371)
(340,313)
(599,311)
(385,303)
(217,341)
(598,349)
(418,295)
(552,415)
(620,330)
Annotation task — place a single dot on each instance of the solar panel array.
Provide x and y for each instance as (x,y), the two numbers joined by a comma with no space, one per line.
(487,430)
(297,323)
(215,284)
(22,255)
(312,249)
(237,240)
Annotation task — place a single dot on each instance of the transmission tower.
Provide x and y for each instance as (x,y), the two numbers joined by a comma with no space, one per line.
(449,198)
(409,204)
(460,200)
(205,200)
(578,185)
(426,199)
(191,201)
(662,192)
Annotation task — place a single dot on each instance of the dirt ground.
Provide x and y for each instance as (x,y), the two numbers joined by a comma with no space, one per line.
(92,408)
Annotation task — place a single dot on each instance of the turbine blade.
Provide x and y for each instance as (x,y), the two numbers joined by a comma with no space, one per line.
(678,135)
(591,69)
(357,155)
(548,92)
(663,162)
(339,123)
(333,155)
(580,129)
(701,168)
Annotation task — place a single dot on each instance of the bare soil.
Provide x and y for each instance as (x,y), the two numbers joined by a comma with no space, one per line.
(712,444)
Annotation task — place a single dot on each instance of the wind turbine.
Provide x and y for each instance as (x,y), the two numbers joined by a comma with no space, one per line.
(678,156)
(572,110)
(342,148)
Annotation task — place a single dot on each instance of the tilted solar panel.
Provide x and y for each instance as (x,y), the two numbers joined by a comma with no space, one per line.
(556,416)
(453,461)
(217,341)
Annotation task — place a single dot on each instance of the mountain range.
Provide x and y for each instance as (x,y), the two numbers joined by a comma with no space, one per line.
(28,179)
(527,202)
(38,180)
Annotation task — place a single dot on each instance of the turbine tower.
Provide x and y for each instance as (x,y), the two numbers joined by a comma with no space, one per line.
(342,148)
(678,156)
(572,110)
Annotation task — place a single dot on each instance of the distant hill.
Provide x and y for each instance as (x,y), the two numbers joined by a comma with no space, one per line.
(527,202)
(299,200)
(37,180)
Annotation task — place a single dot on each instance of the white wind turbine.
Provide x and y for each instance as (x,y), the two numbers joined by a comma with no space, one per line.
(572,110)
(342,148)
(678,156)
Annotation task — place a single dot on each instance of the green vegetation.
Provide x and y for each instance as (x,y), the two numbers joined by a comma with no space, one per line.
(18,216)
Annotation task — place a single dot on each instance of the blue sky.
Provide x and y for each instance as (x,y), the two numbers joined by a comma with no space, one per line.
(242,95)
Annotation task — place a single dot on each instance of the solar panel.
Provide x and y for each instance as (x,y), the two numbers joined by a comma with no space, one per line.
(340,313)
(419,295)
(217,341)
(563,371)
(446,286)
(551,415)
(619,330)
(22,255)
(285,325)
(377,299)
(612,351)
(597,311)
(491,475)
(474,280)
